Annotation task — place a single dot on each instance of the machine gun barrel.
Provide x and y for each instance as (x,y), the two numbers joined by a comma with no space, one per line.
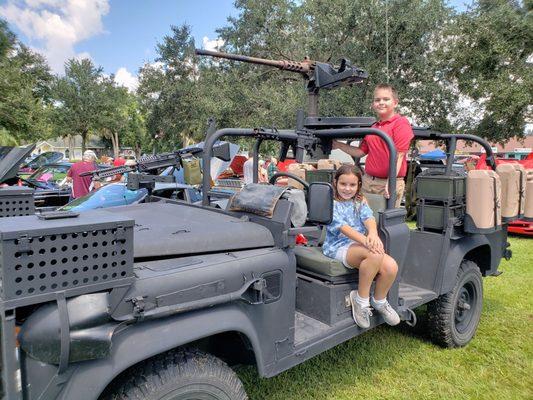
(304,67)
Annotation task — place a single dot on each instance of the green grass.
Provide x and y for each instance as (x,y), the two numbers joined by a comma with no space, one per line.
(398,363)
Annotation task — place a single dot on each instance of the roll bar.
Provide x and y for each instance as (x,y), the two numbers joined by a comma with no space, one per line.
(422,133)
(348,133)
(259,134)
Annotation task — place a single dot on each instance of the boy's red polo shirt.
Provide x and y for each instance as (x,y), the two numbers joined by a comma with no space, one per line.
(377,161)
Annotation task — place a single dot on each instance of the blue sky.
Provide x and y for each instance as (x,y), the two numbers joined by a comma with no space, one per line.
(118,35)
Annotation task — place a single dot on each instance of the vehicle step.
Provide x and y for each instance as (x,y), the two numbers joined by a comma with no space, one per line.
(305,328)
(414,296)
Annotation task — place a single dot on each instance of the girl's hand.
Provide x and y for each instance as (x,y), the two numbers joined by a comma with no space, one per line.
(374,244)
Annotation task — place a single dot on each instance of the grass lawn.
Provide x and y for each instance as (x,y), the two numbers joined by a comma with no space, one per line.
(397,363)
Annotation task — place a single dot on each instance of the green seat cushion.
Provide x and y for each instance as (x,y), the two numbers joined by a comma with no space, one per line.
(312,259)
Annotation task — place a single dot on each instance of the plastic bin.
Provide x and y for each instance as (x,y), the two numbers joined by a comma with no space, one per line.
(435,215)
(451,189)
(320,175)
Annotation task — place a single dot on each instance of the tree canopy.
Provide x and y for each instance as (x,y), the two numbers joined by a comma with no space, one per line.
(457,72)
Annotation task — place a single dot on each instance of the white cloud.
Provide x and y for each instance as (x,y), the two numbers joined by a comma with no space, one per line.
(57,25)
(214,44)
(125,78)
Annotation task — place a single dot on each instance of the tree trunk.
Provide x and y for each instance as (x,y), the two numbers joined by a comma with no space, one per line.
(83,142)
(70,143)
(115,142)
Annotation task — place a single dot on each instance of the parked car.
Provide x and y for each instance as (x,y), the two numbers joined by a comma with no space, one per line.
(117,194)
(521,227)
(48,157)
(50,192)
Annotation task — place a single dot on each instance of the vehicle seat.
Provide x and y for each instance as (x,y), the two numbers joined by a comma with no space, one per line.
(311,261)
(377,202)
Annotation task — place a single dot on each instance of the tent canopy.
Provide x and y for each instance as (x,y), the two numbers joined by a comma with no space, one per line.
(437,154)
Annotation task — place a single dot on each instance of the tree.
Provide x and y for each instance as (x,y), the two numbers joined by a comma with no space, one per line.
(489,51)
(168,89)
(79,99)
(354,29)
(24,89)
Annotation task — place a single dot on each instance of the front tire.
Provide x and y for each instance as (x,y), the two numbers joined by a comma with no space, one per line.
(185,374)
(453,317)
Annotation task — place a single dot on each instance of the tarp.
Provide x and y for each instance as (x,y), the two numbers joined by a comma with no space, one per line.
(482,164)
(436,154)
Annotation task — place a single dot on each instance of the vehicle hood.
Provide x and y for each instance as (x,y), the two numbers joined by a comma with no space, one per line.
(9,165)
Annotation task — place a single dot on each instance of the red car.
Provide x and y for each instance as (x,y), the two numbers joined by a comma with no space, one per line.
(521,227)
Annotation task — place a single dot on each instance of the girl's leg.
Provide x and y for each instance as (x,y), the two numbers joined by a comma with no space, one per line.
(369,265)
(386,276)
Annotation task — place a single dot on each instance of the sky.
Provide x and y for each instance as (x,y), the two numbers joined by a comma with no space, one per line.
(118,35)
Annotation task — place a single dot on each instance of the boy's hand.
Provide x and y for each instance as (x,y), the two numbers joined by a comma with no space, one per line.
(374,244)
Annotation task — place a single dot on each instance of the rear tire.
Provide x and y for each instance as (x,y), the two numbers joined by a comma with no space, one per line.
(453,317)
(185,374)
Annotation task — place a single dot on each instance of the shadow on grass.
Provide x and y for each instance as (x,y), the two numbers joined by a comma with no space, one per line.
(356,362)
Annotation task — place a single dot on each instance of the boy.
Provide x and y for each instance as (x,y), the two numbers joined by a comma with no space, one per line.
(399,129)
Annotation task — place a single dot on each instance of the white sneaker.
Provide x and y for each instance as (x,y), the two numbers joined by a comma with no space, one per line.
(361,315)
(388,313)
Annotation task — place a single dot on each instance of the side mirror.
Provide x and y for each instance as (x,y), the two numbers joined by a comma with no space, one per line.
(320,203)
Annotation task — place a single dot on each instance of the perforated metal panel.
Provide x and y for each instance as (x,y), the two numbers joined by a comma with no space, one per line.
(69,254)
(16,201)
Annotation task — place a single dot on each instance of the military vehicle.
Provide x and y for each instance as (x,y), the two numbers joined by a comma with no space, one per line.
(158,300)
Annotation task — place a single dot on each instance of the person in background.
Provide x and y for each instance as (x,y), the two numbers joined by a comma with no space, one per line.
(119,161)
(81,185)
(375,179)
(262,175)
(248,168)
(272,167)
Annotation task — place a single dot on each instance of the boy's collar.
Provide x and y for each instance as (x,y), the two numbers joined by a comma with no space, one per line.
(394,117)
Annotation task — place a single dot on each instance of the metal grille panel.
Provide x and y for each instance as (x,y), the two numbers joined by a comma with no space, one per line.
(16,202)
(61,259)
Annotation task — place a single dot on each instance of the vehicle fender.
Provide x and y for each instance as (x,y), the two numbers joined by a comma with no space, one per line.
(456,254)
(140,341)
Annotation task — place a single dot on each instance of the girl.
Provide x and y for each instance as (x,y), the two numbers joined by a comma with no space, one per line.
(352,238)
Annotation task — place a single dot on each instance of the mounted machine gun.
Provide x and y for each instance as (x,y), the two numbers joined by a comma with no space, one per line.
(142,174)
(318,75)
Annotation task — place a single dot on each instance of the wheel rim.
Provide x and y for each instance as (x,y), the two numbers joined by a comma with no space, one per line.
(465,307)
(196,391)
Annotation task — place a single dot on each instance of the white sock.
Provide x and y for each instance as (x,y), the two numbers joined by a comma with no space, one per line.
(362,301)
(379,303)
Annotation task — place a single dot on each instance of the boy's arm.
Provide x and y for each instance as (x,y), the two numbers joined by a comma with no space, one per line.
(351,150)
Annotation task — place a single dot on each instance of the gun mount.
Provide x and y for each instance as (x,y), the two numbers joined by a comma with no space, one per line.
(318,75)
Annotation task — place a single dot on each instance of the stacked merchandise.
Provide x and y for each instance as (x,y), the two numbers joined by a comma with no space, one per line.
(325,171)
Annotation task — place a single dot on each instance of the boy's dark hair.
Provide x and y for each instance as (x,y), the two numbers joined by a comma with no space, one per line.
(389,87)
(348,169)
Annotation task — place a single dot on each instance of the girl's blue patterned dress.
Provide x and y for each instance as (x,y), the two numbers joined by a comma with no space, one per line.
(352,213)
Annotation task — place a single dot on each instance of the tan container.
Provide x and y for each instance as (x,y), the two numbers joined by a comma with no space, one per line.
(522,187)
(328,164)
(483,191)
(528,203)
(299,171)
(510,181)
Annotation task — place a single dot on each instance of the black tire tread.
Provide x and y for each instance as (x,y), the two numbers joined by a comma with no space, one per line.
(183,364)
(441,310)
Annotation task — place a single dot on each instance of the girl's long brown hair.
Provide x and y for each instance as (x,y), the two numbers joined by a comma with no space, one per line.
(348,169)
